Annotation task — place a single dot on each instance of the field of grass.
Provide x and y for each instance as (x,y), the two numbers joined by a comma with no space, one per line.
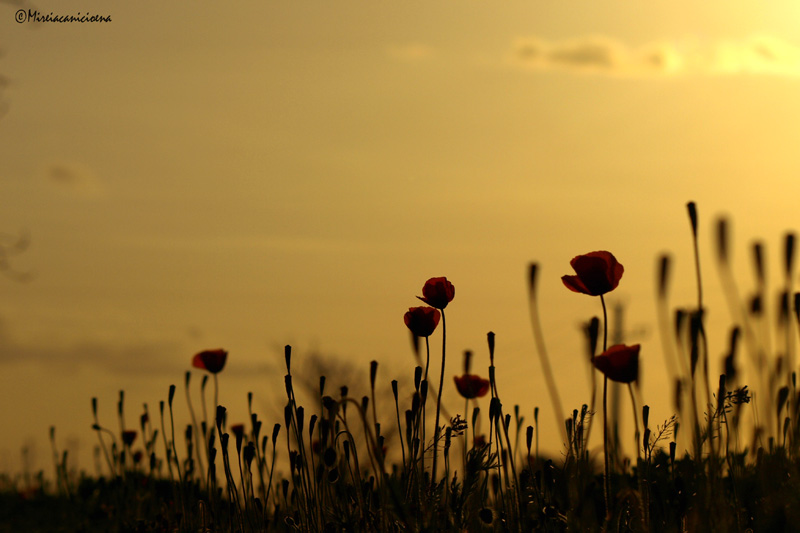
(324,466)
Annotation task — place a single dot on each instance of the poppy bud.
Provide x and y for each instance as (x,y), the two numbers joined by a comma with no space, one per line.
(467,361)
(533,269)
(128,437)
(758,262)
(238,430)
(373,372)
(312,422)
(249,454)
(692,208)
(663,275)
(220,418)
(788,257)
(275,430)
(722,241)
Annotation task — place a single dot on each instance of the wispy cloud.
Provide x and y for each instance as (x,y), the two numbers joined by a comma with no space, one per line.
(410,52)
(756,55)
(74,178)
(114,357)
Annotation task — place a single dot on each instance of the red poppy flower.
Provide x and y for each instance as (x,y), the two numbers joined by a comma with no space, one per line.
(422,321)
(316,446)
(210,360)
(128,437)
(619,363)
(597,273)
(438,292)
(238,430)
(471,386)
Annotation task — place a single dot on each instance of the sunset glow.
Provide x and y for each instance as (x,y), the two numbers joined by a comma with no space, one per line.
(194,177)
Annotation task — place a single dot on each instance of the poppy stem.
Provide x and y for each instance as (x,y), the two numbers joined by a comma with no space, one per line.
(216,392)
(427,356)
(640,444)
(424,404)
(605,323)
(607,475)
(538,337)
(439,403)
(466,411)
(196,427)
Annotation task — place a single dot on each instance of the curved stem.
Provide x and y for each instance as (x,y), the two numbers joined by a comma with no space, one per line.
(439,402)
(607,475)
(538,337)
(216,393)
(605,323)
(427,356)
(199,438)
(424,405)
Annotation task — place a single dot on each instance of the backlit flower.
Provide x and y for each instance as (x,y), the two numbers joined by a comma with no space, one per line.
(597,273)
(128,436)
(210,360)
(238,430)
(437,292)
(471,386)
(619,363)
(422,321)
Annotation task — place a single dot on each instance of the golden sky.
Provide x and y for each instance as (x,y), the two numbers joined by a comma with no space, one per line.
(256,174)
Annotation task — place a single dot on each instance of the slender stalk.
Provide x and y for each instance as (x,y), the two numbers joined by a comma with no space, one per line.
(399,427)
(275,430)
(605,323)
(172,429)
(466,409)
(424,405)
(542,351)
(693,219)
(439,402)
(607,474)
(97,428)
(167,448)
(200,466)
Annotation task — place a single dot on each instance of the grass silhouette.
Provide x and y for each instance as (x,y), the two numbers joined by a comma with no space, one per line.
(324,467)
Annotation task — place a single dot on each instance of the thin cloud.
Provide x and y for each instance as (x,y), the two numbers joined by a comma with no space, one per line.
(592,53)
(277,243)
(121,357)
(74,178)
(756,55)
(410,52)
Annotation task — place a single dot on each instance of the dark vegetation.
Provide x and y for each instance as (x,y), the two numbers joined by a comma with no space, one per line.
(326,466)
